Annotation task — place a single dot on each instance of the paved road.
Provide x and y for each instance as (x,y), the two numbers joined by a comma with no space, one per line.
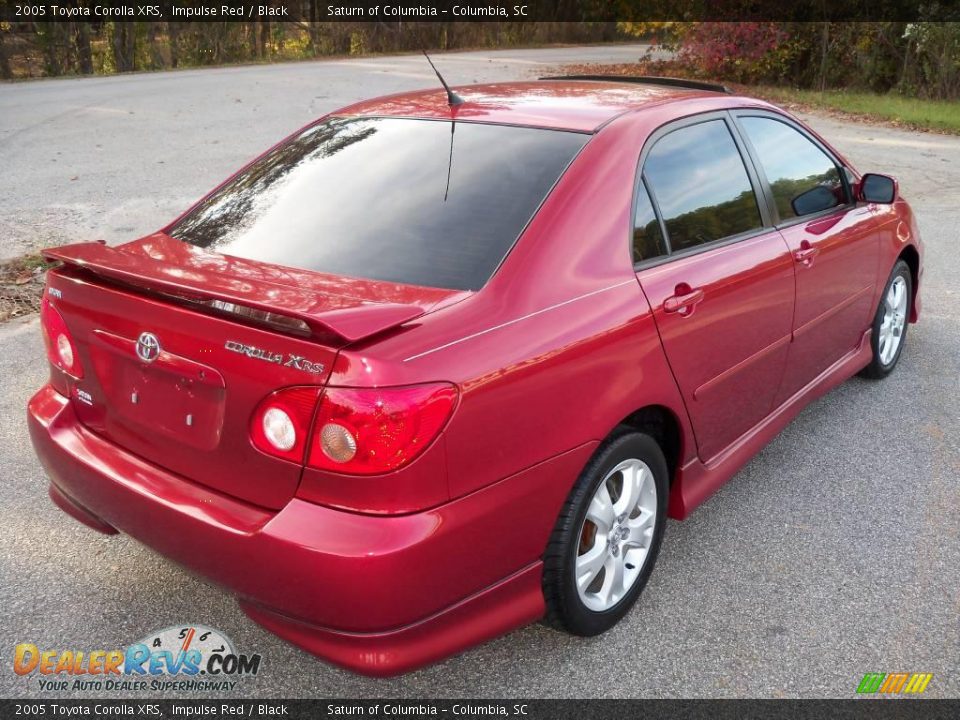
(118,157)
(835,552)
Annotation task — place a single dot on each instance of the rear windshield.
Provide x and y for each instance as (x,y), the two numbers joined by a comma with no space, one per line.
(423,202)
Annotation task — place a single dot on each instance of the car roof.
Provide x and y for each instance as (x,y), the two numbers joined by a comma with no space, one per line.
(564,104)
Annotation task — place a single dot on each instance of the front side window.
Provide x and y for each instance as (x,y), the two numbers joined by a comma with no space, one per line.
(701,185)
(422,202)
(804,179)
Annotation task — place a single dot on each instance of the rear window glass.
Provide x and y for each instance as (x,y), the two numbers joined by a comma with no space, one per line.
(701,185)
(423,202)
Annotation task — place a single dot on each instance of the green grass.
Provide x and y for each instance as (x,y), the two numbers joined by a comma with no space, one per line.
(938,115)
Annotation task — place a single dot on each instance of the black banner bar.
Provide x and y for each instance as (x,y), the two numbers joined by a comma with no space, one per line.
(442,11)
(886,709)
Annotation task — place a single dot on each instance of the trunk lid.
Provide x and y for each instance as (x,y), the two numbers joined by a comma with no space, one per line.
(179,346)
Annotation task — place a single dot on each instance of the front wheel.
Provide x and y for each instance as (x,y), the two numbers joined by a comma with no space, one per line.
(890,323)
(607,537)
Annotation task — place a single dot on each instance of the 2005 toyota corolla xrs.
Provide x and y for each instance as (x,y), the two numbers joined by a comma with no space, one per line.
(437,366)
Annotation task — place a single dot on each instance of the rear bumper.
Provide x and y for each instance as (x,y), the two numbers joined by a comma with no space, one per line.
(377,595)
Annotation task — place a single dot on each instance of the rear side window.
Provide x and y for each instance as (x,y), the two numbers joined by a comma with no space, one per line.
(701,185)
(804,179)
(647,237)
(422,202)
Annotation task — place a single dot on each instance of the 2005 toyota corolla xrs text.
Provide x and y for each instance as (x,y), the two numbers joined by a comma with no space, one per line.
(440,365)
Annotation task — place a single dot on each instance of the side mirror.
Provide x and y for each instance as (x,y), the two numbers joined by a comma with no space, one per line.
(814,200)
(876,188)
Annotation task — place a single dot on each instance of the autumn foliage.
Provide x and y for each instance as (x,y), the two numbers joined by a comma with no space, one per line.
(920,59)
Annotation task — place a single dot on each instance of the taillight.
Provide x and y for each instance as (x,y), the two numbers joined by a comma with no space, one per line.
(357,431)
(368,431)
(281,423)
(61,350)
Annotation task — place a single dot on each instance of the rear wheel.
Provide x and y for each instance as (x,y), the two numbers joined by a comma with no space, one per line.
(890,323)
(606,540)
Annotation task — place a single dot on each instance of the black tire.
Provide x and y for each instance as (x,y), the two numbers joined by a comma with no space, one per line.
(877,369)
(565,608)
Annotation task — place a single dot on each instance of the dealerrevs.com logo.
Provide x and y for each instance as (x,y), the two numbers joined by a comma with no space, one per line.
(181,657)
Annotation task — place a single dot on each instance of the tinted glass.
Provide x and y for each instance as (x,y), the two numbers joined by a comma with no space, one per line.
(647,236)
(878,188)
(413,201)
(803,178)
(701,185)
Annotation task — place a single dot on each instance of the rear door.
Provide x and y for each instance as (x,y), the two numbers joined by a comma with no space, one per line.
(833,242)
(717,274)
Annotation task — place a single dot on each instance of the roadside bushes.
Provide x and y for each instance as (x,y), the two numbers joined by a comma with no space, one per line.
(932,60)
(743,52)
(920,59)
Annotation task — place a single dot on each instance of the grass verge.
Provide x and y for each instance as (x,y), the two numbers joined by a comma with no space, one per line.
(935,115)
(893,110)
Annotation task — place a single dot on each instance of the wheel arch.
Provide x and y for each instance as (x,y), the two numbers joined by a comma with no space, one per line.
(664,426)
(911,257)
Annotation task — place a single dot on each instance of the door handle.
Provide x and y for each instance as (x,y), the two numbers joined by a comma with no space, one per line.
(806,254)
(684,300)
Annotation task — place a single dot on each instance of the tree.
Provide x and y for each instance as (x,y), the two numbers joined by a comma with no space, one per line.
(173,33)
(123,41)
(5,72)
(84,56)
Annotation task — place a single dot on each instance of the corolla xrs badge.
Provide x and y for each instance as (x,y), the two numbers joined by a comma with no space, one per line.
(297,362)
(148,347)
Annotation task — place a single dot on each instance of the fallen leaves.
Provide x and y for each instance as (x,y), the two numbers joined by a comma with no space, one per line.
(21,286)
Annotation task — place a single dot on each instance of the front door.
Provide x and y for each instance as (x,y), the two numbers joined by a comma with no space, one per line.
(833,242)
(719,278)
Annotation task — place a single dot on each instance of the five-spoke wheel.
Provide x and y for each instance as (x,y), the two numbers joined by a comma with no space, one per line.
(606,539)
(890,322)
(894,319)
(616,535)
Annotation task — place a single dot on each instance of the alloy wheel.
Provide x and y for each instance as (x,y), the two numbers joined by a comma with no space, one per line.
(616,536)
(894,319)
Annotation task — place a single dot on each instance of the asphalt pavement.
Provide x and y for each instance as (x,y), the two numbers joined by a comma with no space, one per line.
(835,552)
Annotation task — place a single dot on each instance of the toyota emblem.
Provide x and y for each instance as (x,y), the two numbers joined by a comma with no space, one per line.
(148,347)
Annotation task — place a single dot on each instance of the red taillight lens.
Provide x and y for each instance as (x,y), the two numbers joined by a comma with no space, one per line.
(368,431)
(61,350)
(281,423)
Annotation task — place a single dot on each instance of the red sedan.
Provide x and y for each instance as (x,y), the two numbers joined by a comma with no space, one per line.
(435,367)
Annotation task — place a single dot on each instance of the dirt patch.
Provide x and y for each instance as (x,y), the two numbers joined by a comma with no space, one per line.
(21,285)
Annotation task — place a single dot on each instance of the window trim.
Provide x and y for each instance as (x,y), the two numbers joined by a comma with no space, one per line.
(842,170)
(760,196)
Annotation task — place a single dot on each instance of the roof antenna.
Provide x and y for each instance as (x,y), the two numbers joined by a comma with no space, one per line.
(453,129)
(452,98)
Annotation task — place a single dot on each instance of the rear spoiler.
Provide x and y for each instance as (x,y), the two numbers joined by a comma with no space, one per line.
(351,319)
